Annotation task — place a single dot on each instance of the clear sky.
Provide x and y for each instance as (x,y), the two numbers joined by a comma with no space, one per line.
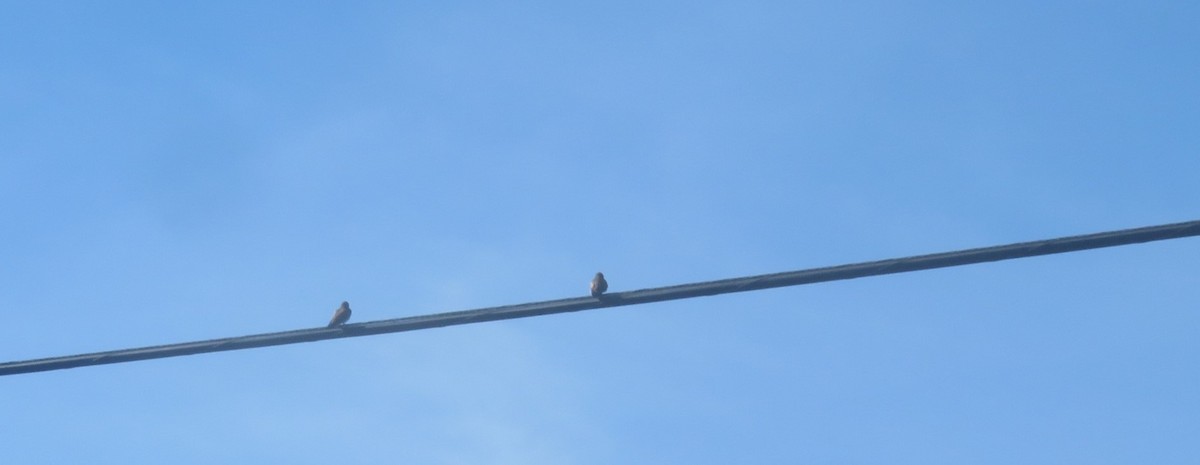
(171,173)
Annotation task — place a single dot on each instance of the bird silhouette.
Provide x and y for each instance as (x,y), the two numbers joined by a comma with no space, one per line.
(599,285)
(341,316)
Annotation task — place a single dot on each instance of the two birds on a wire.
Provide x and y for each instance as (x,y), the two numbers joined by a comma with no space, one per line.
(342,314)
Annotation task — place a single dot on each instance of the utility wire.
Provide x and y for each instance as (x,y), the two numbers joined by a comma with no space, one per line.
(618,299)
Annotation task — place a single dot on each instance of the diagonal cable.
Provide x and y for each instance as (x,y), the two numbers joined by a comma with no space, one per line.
(618,299)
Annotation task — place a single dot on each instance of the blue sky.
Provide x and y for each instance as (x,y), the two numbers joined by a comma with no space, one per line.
(180,172)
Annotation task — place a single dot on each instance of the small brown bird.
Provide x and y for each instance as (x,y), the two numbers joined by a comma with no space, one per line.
(341,316)
(599,285)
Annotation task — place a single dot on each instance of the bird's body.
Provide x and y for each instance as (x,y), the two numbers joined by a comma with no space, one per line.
(599,285)
(341,316)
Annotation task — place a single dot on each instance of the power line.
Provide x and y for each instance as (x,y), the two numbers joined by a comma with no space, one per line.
(618,299)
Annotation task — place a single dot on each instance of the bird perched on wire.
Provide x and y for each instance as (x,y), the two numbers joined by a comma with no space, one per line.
(341,316)
(599,285)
